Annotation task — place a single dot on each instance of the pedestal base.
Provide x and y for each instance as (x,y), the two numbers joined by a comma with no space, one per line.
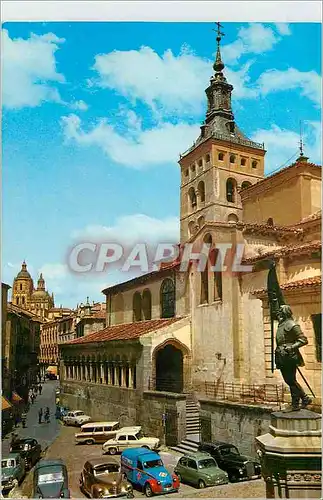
(291,455)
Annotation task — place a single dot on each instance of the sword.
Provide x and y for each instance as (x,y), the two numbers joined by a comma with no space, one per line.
(299,371)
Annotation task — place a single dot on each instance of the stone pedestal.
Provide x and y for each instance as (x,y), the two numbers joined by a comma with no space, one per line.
(290,455)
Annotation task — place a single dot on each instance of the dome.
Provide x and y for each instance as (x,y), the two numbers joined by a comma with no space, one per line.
(40,294)
(23,273)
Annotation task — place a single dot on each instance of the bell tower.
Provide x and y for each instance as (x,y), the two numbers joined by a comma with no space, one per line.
(22,288)
(220,163)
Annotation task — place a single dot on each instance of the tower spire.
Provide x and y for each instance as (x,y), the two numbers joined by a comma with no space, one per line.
(218,65)
(301,157)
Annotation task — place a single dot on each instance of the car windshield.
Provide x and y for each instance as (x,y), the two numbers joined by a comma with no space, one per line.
(78,413)
(7,463)
(230,450)
(139,435)
(152,463)
(20,446)
(52,477)
(106,469)
(206,463)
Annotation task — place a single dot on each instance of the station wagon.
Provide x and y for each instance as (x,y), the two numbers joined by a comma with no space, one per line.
(97,432)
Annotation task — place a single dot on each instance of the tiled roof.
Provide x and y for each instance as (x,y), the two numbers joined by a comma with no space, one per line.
(313,282)
(20,311)
(166,266)
(287,250)
(125,331)
(316,216)
(296,164)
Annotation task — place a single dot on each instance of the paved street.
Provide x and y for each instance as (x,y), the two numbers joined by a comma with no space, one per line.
(58,442)
(44,433)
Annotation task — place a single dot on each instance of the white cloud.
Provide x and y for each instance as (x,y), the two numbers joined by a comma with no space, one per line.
(169,83)
(283,28)
(79,105)
(29,70)
(309,83)
(53,271)
(139,147)
(255,39)
(282,145)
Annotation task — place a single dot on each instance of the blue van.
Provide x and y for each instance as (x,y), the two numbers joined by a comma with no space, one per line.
(145,469)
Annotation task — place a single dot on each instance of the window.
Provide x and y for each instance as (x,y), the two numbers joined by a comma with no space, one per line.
(317,325)
(20,286)
(146,304)
(232,159)
(132,438)
(23,300)
(243,162)
(193,167)
(140,466)
(204,286)
(221,156)
(217,264)
(99,429)
(183,461)
(122,438)
(186,172)
(17,301)
(136,306)
(192,198)
(233,218)
(201,191)
(254,164)
(207,158)
(191,464)
(200,163)
(231,185)
(245,184)
(167,292)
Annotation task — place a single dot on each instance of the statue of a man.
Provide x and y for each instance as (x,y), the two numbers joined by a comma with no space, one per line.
(289,338)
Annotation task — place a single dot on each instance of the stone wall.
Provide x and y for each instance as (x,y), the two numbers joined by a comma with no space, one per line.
(236,424)
(129,407)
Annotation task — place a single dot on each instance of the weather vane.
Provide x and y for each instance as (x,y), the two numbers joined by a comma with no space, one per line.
(218,31)
(301,138)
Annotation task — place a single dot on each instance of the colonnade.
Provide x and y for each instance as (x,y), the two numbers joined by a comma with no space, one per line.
(116,373)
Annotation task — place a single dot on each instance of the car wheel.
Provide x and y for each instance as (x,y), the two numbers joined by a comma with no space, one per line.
(89,441)
(112,451)
(148,490)
(147,447)
(201,484)
(179,477)
(233,478)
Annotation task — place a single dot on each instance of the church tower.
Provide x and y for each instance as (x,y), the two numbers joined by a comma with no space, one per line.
(221,162)
(22,288)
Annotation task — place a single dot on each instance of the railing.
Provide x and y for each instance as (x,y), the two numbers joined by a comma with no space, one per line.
(229,138)
(243,393)
(224,391)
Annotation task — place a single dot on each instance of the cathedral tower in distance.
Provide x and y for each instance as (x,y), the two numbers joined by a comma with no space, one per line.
(221,162)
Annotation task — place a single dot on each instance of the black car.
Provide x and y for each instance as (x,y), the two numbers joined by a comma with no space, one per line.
(29,449)
(50,480)
(229,459)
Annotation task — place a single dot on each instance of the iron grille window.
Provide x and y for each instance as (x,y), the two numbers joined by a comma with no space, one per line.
(317,325)
(168,298)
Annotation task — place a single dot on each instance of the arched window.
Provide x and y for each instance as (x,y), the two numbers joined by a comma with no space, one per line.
(254,164)
(221,156)
(191,228)
(217,264)
(192,198)
(245,184)
(270,221)
(17,301)
(136,306)
(243,162)
(167,298)
(207,158)
(20,286)
(146,304)
(204,295)
(201,191)
(233,218)
(23,300)
(230,190)
(232,159)
(201,221)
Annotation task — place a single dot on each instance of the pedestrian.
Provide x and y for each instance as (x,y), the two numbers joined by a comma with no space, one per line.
(23,419)
(16,420)
(47,415)
(32,397)
(40,388)
(40,415)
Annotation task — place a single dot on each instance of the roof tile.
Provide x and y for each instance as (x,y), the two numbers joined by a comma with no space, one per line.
(314,281)
(287,250)
(125,331)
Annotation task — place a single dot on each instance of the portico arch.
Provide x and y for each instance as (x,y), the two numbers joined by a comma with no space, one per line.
(171,364)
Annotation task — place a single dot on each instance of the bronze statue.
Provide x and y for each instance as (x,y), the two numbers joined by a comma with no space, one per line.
(289,338)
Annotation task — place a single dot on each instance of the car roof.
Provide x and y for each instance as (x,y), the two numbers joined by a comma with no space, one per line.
(94,462)
(48,463)
(24,440)
(101,424)
(134,428)
(218,443)
(139,452)
(197,455)
(11,456)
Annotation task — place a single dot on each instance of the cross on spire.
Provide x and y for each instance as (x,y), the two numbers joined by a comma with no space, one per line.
(218,65)
(219,33)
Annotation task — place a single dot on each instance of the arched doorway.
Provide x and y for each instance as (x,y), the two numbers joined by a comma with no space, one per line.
(169,369)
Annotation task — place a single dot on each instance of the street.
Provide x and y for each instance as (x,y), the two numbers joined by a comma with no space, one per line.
(58,441)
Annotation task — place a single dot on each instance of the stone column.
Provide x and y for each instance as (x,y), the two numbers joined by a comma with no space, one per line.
(290,455)
(101,372)
(91,371)
(131,376)
(123,375)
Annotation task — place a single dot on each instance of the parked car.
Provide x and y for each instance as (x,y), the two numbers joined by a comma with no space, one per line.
(97,432)
(61,411)
(102,478)
(201,470)
(29,449)
(145,469)
(13,471)
(76,417)
(230,460)
(129,437)
(50,480)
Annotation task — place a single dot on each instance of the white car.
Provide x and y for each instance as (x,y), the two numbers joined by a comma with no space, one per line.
(129,437)
(76,417)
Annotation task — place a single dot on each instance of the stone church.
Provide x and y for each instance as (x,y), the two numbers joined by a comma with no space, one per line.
(176,340)
(36,300)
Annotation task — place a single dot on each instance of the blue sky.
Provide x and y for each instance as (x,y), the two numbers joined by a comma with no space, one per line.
(96,114)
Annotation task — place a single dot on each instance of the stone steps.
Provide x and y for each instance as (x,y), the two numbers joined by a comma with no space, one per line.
(186,446)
